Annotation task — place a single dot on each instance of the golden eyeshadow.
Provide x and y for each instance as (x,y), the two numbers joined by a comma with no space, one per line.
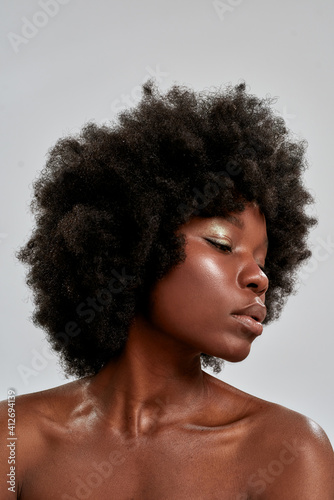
(218,231)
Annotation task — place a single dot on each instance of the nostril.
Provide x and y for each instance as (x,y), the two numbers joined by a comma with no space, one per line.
(253,285)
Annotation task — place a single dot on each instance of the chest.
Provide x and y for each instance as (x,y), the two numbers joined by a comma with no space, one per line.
(169,466)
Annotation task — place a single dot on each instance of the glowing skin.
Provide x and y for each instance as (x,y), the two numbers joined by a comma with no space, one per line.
(151,424)
(190,312)
(221,274)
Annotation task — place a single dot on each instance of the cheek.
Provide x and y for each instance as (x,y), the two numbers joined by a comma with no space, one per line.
(192,299)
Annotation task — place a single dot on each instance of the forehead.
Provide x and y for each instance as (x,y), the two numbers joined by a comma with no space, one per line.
(251,215)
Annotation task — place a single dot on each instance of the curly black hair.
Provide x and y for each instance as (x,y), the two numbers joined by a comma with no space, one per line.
(109,201)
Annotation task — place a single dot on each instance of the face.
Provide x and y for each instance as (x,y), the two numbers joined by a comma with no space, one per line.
(205,303)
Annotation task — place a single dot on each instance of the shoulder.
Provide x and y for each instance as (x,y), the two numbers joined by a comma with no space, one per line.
(297,459)
(272,421)
(284,423)
(36,407)
(286,454)
(28,421)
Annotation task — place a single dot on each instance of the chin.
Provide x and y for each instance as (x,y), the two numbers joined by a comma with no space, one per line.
(236,358)
(233,354)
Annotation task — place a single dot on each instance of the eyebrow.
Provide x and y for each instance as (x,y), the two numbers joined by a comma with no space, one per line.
(234,220)
(237,222)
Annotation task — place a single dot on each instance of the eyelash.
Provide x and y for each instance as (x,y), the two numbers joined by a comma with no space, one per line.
(220,245)
(229,249)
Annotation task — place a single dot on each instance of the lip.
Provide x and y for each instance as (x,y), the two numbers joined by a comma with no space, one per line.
(254,326)
(257,310)
(252,316)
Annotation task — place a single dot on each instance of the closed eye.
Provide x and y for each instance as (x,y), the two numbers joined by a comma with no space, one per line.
(221,246)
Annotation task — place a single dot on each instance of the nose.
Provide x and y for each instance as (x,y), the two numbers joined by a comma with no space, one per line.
(252,276)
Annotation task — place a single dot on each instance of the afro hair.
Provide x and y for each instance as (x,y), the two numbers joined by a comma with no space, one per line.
(110,199)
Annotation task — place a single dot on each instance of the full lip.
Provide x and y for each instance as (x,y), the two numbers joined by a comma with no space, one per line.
(256,310)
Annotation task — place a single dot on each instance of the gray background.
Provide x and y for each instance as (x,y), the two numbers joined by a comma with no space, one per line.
(86,60)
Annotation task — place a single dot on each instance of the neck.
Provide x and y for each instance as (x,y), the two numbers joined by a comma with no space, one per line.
(152,380)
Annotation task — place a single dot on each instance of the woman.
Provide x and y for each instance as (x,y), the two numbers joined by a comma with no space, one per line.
(163,244)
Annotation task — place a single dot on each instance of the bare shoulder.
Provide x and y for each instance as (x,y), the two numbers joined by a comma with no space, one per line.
(34,418)
(285,424)
(272,419)
(285,454)
(295,458)
(302,456)
(33,408)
